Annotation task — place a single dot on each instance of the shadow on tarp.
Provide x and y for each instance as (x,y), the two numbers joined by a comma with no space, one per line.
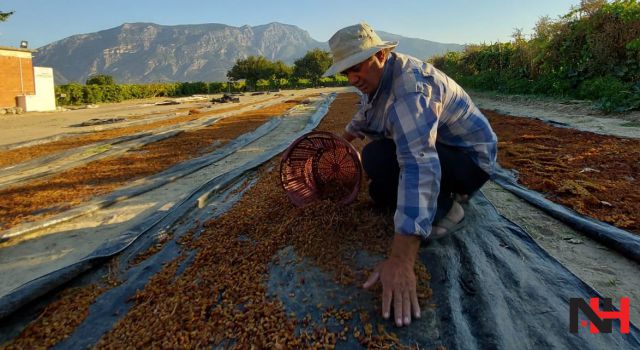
(493,286)
(625,242)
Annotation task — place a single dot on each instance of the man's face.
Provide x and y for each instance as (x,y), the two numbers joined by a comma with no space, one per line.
(366,75)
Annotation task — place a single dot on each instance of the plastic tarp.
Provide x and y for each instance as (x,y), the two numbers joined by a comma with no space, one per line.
(160,220)
(620,240)
(61,161)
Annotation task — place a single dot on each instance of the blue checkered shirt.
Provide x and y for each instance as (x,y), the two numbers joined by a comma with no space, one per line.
(417,105)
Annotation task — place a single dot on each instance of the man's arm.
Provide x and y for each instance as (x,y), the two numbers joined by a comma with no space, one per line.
(357,123)
(413,124)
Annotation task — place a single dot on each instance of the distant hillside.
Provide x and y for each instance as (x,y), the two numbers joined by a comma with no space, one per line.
(419,48)
(147,52)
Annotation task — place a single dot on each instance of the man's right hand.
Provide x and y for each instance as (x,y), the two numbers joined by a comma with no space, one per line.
(350,137)
(398,280)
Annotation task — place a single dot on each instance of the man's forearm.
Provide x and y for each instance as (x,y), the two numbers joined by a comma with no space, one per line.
(405,248)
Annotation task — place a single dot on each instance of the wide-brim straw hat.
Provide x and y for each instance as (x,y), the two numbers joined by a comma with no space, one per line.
(354,44)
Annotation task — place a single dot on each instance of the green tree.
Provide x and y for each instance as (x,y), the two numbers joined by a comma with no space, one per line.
(252,69)
(312,65)
(281,70)
(100,79)
(5,15)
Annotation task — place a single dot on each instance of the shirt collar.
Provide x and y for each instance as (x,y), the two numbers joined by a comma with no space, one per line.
(385,81)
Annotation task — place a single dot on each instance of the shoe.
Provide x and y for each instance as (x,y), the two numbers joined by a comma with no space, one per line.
(447,224)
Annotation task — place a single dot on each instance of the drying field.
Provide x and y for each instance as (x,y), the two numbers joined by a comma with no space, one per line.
(222,296)
(39,199)
(596,175)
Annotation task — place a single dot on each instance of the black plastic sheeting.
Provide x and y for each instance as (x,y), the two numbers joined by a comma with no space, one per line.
(627,243)
(111,306)
(493,287)
(160,220)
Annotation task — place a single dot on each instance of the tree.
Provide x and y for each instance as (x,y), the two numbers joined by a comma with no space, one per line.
(5,15)
(100,79)
(252,69)
(281,70)
(312,65)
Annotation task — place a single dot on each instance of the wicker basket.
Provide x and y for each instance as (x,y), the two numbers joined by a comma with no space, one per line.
(321,165)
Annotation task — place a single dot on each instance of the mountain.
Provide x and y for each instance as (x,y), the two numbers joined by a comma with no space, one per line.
(419,48)
(148,52)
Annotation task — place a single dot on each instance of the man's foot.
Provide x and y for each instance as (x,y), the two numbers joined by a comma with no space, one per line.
(461,198)
(449,222)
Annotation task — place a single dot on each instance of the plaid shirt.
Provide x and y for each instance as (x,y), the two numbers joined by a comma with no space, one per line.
(417,105)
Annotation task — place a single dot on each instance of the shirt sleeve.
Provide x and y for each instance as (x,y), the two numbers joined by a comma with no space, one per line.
(413,124)
(358,121)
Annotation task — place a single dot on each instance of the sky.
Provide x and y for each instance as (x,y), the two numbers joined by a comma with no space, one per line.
(42,22)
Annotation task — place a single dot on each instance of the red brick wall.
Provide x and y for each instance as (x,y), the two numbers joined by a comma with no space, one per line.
(10,79)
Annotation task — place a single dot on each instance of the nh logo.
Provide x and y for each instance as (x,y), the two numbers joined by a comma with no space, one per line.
(601,321)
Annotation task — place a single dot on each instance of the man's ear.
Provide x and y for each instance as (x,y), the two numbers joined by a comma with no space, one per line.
(381,55)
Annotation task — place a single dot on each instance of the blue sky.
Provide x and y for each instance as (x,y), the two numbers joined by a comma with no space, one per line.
(41,22)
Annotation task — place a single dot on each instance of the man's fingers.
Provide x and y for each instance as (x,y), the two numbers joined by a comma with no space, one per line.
(373,278)
(386,301)
(414,304)
(397,307)
(406,308)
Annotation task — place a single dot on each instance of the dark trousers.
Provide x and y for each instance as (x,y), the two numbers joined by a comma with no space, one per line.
(459,174)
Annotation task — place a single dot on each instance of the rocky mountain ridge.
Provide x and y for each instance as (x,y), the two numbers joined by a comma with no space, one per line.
(148,52)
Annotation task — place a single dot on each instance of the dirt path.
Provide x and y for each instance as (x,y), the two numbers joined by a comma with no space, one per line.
(580,115)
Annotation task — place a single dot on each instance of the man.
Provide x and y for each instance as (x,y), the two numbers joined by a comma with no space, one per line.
(430,145)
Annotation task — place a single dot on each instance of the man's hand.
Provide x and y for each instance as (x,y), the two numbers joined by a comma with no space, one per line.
(350,137)
(398,280)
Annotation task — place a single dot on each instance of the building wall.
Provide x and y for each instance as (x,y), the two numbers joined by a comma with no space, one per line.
(45,98)
(12,82)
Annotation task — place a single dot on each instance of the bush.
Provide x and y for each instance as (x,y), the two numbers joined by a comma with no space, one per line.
(610,93)
(70,94)
(596,88)
(262,84)
(592,52)
(100,79)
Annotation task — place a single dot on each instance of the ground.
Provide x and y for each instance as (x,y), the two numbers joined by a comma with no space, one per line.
(606,271)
